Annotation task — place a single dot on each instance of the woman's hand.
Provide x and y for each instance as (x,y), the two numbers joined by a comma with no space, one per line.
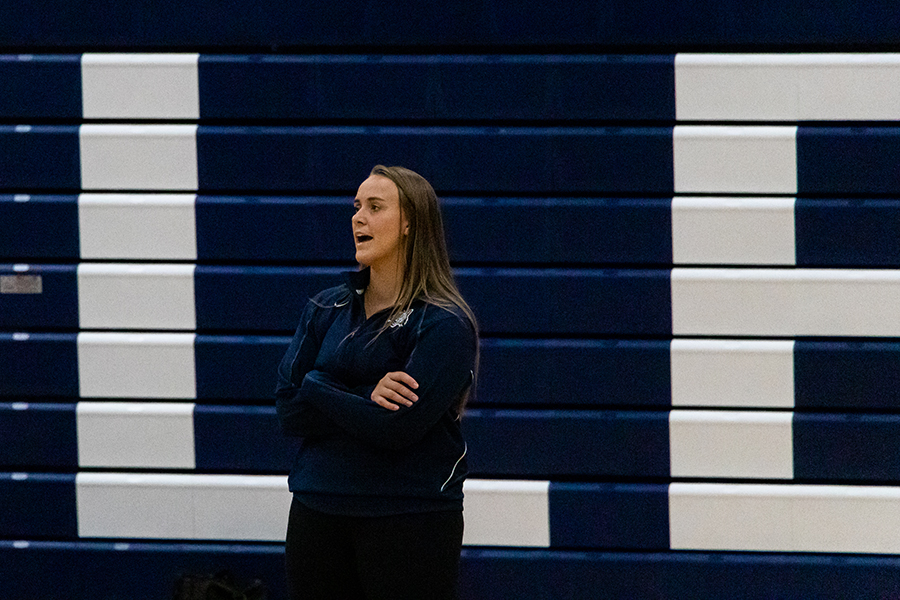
(394,390)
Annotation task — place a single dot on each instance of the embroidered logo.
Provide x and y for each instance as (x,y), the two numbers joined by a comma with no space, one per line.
(401,319)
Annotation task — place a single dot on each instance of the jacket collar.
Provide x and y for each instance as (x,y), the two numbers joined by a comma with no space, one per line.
(358,281)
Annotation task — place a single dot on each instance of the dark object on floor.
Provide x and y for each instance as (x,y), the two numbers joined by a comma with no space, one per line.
(220,586)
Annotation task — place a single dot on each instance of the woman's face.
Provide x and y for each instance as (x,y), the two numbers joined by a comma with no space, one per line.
(379,228)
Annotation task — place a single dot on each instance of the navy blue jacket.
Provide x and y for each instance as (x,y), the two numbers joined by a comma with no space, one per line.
(355,457)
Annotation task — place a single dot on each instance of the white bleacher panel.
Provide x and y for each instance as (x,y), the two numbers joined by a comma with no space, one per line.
(136,296)
(138,157)
(784,518)
(140,86)
(135,435)
(234,507)
(507,513)
(731,516)
(136,365)
(255,508)
(782,302)
(757,160)
(787,87)
(176,506)
(735,230)
(134,506)
(137,226)
(732,373)
(841,87)
(731,444)
(727,87)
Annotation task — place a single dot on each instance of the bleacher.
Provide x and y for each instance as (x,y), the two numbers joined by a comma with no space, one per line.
(679,233)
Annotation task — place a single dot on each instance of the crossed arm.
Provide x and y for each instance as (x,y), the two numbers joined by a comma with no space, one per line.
(401,407)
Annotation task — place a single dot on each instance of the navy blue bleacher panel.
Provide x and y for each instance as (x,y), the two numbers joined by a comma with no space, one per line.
(707,25)
(396,24)
(569,301)
(137,571)
(453,159)
(257,298)
(165,26)
(37,505)
(41,86)
(574,372)
(38,437)
(43,297)
(40,157)
(479,230)
(38,365)
(262,86)
(846,447)
(513,371)
(526,301)
(552,574)
(237,367)
(847,233)
(846,375)
(848,160)
(609,515)
(274,228)
(238,439)
(438,87)
(542,87)
(38,227)
(559,230)
(551,443)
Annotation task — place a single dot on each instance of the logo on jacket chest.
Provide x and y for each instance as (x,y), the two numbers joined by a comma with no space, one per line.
(401,319)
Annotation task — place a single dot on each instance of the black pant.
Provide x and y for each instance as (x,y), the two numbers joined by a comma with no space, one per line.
(403,557)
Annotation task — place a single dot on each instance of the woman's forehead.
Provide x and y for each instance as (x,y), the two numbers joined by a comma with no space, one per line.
(378,187)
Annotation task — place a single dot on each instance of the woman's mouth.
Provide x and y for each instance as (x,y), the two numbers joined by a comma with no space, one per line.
(361,238)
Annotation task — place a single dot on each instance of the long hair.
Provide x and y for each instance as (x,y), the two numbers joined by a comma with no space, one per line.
(426,272)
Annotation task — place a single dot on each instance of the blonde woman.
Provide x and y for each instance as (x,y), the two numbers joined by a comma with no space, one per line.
(374,382)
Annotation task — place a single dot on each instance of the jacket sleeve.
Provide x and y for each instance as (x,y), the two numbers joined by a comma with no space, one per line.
(441,362)
(299,418)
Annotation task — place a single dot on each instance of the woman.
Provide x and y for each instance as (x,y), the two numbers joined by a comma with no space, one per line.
(374,382)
